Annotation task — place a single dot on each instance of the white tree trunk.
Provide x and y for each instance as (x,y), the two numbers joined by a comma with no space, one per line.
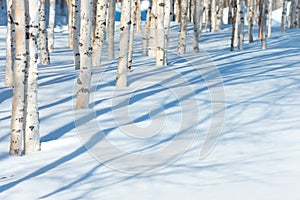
(241,25)
(250,20)
(167,19)
(182,35)
(146,30)
(76,33)
(196,21)
(45,60)
(100,32)
(51,25)
(262,23)
(70,23)
(32,135)
(111,29)
(213,15)
(10,46)
(177,10)
(138,17)
(131,36)
(17,120)
(84,80)
(270,17)
(207,14)
(233,35)
(160,31)
(283,16)
(219,15)
(124,44)
(237,19)
(201,18)
(152,34)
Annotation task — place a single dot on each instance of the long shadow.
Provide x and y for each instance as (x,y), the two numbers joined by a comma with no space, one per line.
(93,141)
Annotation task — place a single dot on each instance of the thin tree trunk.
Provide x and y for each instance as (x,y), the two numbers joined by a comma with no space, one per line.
(283,17)
(146,30)
(32,135)
(99,32)
(70,23)
(111,29)
(10,47)
(124,44)
(160,43)
(229,12)
(241,25)
(152,34)
(76,33)
(201,9)
(270,18)
(196,21)
(234,5)
(131,36)
(167,20)
(18,99)
(138,17)
(207,14)
(237,19)
(178,14)
(51,26)
(219,15)
(213,15)
(255,13)
(182,35)
(250,21)
(84,80)
(262,22)
(45,60)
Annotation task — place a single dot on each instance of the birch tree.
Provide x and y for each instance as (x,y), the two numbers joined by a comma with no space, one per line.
(85,45)
(52,6)
(70,23)
(283,16)
(146,29)
(32,135)
(177,10)
(196,22)
(111,28)
(250,20)
(213,15)
(18,99)
(219,15)
(270,2)
(131,33)
(234,5)
(10,47)
(201,17)
(76,32)
(124,44)
(99,32)
(262,22)
(160,43)
(207,14)
(241,25)
(237,20)
(167,19)
(138,16)
(152,34)
(182,35)
(45,60)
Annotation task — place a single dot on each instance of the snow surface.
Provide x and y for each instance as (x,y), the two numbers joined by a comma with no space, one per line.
(256,157)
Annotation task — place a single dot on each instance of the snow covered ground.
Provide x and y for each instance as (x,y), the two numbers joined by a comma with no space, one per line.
(255,97)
